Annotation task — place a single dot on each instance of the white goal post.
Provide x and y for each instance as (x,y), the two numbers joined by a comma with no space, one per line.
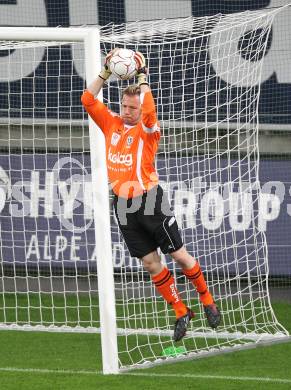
(90,38)
(56,218)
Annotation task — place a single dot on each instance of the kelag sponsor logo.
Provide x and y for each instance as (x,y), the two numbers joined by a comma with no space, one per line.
(119,158)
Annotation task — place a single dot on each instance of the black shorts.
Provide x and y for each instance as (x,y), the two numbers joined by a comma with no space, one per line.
(147,223)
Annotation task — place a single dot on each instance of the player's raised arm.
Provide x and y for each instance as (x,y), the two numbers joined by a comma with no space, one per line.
(142,72)
(149,116)
(95,108)
(95,87)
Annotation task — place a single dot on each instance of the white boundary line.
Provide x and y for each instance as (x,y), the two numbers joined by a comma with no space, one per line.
(149,374)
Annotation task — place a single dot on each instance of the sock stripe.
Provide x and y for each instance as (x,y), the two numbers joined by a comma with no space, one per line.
(164,279)
(195,276)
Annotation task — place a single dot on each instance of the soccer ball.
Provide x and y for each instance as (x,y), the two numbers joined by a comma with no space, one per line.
(122,64)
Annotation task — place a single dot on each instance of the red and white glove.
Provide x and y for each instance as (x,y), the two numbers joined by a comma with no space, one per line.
(142,71)
(105,71)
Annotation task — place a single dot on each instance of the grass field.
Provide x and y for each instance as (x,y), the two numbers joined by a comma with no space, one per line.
(61,361)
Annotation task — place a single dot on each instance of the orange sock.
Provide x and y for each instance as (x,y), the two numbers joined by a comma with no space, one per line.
(165,285)
(196,276)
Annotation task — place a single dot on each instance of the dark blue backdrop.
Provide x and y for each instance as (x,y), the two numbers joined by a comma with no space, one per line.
(31,233)
(27,97)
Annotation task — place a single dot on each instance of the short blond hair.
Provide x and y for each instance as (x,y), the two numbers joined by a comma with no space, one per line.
(131,90)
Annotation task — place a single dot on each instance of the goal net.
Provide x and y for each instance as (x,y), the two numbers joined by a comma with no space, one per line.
(204,74)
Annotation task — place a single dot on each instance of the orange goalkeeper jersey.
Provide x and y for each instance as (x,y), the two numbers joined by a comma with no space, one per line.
(130,150)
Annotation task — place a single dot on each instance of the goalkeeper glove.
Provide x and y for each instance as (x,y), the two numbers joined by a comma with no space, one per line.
(105,71)
(142,70)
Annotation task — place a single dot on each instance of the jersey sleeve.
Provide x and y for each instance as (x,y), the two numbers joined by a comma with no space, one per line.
(150,123)
(100,114)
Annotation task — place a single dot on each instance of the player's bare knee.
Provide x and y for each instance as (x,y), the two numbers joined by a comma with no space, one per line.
(152,263)
(183,258)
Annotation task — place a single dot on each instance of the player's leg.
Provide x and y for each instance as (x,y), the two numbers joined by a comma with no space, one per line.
(192,271)
(155,216)
(167,235)
(165,284)
(141,243)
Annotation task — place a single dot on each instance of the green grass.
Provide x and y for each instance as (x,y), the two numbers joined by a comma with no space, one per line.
(73,361)
(82,310)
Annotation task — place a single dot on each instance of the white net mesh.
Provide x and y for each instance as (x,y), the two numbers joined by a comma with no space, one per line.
(207,164)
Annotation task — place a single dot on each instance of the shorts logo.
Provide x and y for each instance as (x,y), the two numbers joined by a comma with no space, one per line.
(115,138)
(129,141)
(171,221)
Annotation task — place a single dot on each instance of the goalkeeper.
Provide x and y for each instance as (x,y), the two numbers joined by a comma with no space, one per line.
(143,212)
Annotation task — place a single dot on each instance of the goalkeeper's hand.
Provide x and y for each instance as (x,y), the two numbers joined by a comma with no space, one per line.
(105,71)
(141,68)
